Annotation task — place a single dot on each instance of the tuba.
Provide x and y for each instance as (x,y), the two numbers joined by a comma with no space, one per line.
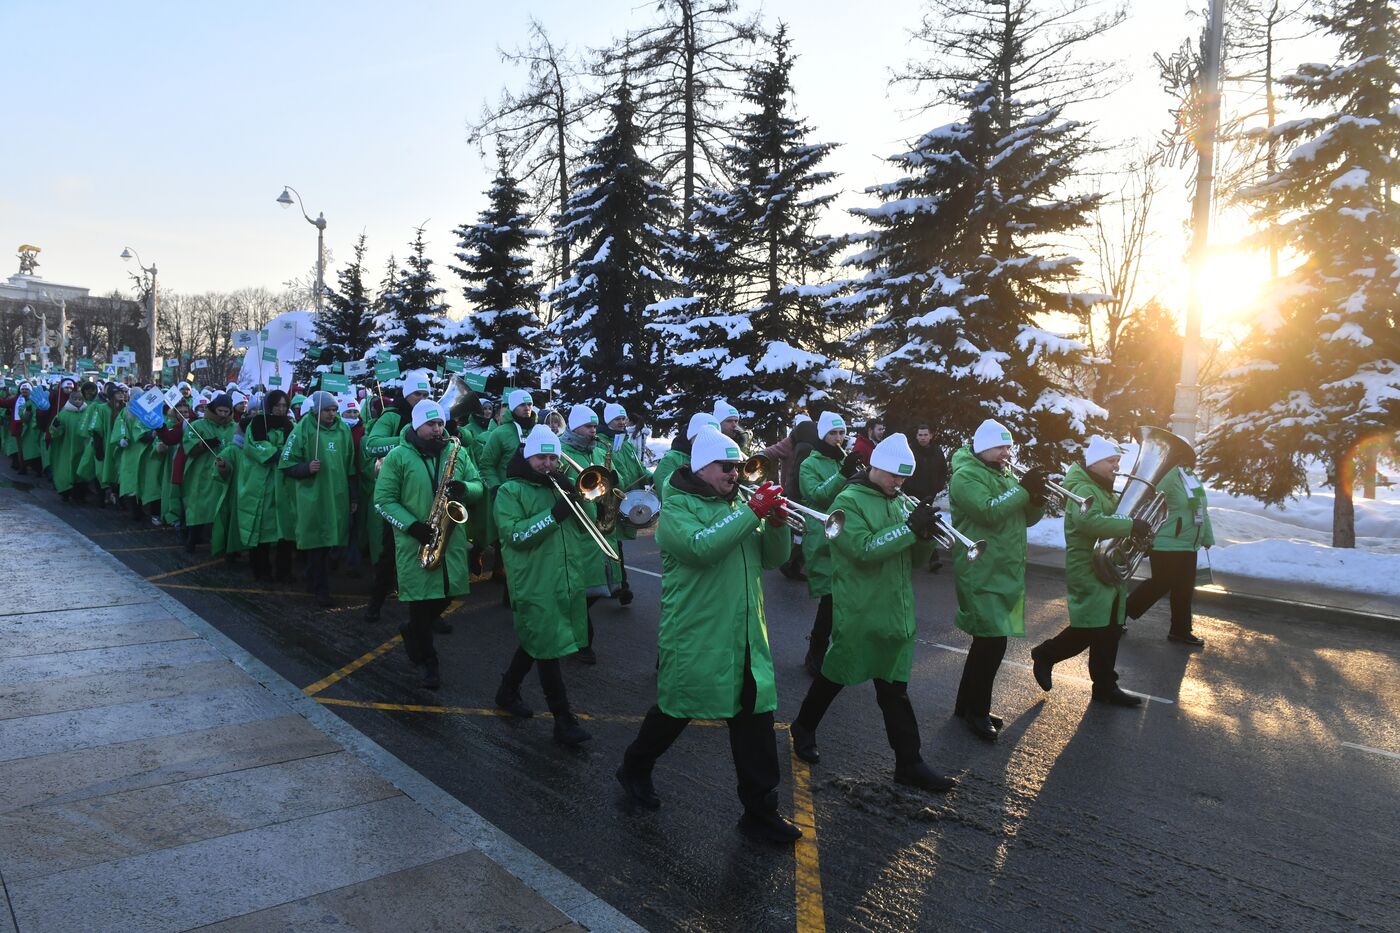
(445,514)
(1159,452)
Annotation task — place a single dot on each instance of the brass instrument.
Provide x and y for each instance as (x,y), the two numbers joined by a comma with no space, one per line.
(592,484)
(1059,491)
(1159,452)
(608,504)
(445,514)
(758,469)
(943,531)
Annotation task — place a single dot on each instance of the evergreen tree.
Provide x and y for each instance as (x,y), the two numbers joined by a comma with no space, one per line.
(387,327)
(414,311)
(1134,386)
(345,327)
(617,220)
(958,275)
(755,250)
(1322,374)
(499,285)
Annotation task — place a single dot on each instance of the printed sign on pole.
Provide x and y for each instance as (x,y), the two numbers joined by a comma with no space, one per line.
(274,381)
(508,359)
(356,368)
(334,384)
(454,365)
(475,381)
(149,408)
(385,370)
(245,338)
(86,362)
(269,354)
(200,364)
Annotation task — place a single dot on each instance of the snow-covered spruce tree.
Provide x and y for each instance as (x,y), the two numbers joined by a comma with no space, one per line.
(959,273)
(617,220)
(387,327)
(753,256)
(499,286)
(345,327)
(1322,372)
(415,310)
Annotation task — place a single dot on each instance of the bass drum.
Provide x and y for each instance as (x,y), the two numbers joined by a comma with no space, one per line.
(641,508)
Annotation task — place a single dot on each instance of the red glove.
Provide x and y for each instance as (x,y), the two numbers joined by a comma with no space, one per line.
(780,513)
(766,498)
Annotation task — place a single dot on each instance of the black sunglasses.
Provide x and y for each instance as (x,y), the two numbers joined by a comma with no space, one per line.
(727,468)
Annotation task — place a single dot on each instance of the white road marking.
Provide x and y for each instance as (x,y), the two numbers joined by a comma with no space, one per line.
(1058,677)
(1373,751)
(650,573)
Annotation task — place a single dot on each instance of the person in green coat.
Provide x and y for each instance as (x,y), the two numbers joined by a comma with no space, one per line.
(873,610)
(208,478)
(989,504)
(26,415)
(679,454)
(379,438)
(260,489)
(497,451)
(67,442)
(109,473)
(134,441)
(581,447)
(1173,555)
(403,495)
(548,557)
(1096,609)
(631,474)
(712,643)
(172,438)
(94,432)
(822,476)
(320,457)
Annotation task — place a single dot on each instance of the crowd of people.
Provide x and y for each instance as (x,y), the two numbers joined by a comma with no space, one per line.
(432,493)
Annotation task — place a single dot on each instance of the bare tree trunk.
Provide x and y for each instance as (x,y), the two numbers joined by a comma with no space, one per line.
(688,200)
(1343,511)
(1366,465)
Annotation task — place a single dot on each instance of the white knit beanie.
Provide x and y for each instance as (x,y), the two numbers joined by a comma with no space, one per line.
(893,456)
(415,381)
(580,415)
(827,422)
(541,440)
(1100,448)
(698,423)
(517,398)
(725,410)
(425,411)
(710,446)
(613,410)
(990,434)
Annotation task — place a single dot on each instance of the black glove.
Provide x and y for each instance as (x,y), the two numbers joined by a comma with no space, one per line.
(1034,483)
(1142,529)
(456,490)
(851,465)
(561,511)
(922,521)
(420,532)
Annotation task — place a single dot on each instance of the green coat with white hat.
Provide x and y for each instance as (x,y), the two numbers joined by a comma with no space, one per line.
(713,554)
(1092,603)
(820,480)
(134,441)
(671,461)
(872,597)
(68,443)
(379,439)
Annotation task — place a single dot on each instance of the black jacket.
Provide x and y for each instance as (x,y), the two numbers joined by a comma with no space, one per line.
(930,472)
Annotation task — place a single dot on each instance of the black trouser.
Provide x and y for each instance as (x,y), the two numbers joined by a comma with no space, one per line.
(551,679)
(386,572)
(979,672)
(821,629)
(318,575)
(1173,572)
(272,564)
(588,608)
(901,728)
(418,632)
(195,535)
(752,744)
(1103,651)
(622,563)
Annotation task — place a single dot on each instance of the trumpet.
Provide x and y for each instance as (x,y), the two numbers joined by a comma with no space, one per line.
(758,469)
(593,483)
(1052,487)
(943,532)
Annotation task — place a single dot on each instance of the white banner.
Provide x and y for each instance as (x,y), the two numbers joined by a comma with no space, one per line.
(245,338)
(200,364)
(356,368)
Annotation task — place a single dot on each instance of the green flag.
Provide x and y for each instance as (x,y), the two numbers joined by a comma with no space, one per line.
(386,369)
(335,384)
(269,354)
(274,381)
(86,362)
(475,381)
(455,365)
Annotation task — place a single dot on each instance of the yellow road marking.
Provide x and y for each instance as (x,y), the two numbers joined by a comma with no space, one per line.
(467,710)
(811,915)
(251,591)
(352,667)
(154,547)
(176,573)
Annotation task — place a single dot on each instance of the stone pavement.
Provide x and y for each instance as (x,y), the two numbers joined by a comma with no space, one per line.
(155,777)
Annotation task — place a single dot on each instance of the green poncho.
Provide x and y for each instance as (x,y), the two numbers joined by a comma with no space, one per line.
(323,499)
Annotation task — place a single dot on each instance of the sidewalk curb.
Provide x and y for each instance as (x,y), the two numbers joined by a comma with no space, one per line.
(558,889)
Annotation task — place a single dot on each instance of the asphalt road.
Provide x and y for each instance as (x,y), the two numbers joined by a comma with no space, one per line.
(1257,790)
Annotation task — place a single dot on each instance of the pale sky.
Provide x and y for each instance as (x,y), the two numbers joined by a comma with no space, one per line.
(171,127)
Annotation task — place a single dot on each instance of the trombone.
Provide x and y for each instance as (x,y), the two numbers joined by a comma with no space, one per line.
(758,469)
(1052,487)
(593,483)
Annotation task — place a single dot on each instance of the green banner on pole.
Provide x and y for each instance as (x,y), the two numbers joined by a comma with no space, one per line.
(269,354)
(274,381)
(86,362)
(455,365)
(335,384)
(475,381)
(384,370)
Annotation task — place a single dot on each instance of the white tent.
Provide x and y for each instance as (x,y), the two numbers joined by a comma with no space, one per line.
(288,334)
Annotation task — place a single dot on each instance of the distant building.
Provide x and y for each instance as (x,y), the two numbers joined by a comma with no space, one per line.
(35,312)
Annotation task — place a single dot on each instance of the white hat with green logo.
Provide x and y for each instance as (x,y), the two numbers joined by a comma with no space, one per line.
(710,446)
(990,434)
(541,440)
(580,415)
(893,455)
(827,422)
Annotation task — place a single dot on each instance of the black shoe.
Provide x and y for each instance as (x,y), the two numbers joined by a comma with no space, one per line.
(441,627)
(509,700)
(567,731)
(1041,670)
(624,596)
(1187,639)
(982,727)
(996,720)
(431,680)
(639,788)
(372,614)
(1116,697)
(804,744)
(923,777)
(771,826)
(586,655)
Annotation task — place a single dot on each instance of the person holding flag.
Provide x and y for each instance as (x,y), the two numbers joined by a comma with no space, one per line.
(109,475)
(320,457)
(208,473)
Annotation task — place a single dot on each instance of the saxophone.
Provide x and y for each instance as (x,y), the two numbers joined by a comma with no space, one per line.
(445,514)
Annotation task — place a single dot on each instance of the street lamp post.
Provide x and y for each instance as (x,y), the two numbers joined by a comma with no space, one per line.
(62,305)
(152,306)
(285,199)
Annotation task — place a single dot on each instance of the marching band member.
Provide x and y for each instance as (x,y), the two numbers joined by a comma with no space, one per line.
(381,437)
(728,417)
(873,611)
(631,474)
(321,458)
(679,454)
(404,496)
(548,557)
(580,445)
(1096,609)
(715,662)
(497,451)
(1173,555)
(823,474)
(989,504)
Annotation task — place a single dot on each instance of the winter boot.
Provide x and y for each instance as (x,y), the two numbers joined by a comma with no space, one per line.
(769,826)
(639,788)
(917,774)
(568,732)
(508,699)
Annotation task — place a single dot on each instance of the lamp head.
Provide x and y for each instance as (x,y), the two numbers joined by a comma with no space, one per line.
(126,253)
(285,198)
